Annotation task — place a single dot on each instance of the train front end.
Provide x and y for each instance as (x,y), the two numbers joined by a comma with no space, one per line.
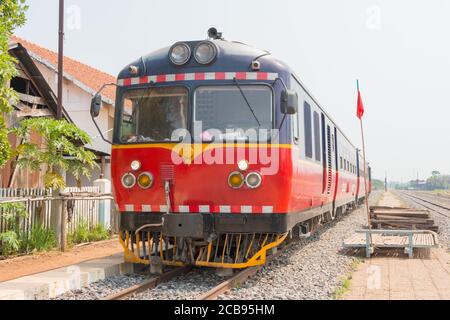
(201,174)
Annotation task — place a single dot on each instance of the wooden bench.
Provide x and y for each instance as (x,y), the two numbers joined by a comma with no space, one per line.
(407,239)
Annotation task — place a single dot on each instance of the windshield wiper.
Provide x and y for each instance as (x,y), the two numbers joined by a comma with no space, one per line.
(248,103)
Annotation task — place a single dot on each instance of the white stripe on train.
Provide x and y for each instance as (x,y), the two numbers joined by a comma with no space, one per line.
(197,209)
(200,76)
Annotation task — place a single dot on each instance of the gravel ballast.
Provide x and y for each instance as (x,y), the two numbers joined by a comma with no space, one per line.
(185,287)
(311,269)
(102,288)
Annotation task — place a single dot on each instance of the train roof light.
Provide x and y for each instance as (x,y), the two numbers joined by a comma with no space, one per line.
(205,52)
(179,54)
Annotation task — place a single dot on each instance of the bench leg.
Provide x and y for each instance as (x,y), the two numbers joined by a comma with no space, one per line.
(369,249)
(411,246)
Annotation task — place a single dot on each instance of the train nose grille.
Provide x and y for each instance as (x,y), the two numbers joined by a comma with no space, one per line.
(167,172)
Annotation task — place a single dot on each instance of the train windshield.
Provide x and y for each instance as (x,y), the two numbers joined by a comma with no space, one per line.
(153,114)
(233,113)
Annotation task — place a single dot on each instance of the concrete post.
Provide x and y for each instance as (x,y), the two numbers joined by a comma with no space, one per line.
(56,217)
(57,211)
(104,208)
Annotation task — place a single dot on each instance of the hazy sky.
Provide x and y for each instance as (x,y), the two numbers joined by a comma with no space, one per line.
(399,49)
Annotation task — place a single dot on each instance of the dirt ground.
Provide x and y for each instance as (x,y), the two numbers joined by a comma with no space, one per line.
(22,266)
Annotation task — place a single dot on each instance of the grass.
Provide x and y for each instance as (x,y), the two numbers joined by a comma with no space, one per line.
(37,240)
(347,281)
(84,234)
(40,239)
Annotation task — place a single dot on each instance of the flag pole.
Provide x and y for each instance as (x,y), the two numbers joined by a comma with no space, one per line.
(369,220)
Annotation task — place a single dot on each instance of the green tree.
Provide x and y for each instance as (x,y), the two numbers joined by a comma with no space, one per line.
(12,15)
(62,148)
(377,184)
(436,182)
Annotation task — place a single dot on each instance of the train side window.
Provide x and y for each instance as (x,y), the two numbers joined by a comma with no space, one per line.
(308,130)
(342,166)
(317,136)
(332,145)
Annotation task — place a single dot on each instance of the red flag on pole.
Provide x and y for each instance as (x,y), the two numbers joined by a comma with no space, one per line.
(360,108)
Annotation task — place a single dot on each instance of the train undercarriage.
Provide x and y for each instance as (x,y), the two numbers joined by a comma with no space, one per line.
(217,241)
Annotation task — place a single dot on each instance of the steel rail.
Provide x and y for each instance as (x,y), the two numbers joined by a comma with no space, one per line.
(148,284)
(240,277)
(415,198)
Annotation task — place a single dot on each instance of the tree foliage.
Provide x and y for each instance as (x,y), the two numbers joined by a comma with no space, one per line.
(438,181)
(377,184)
(62,148)
(12,15)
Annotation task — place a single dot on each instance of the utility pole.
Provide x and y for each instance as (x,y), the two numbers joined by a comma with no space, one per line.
(385,182)
(58,220)
(60,59)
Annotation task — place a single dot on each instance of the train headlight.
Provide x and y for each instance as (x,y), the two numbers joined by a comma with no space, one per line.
(128,180)
(205,52)
(253,180)
(180,53)
(145,180)
(243,165)
(236,180)
(135,165)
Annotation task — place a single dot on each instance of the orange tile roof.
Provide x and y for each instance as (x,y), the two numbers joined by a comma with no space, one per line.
(85,74)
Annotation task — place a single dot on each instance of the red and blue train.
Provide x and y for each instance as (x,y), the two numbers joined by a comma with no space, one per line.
(220,154)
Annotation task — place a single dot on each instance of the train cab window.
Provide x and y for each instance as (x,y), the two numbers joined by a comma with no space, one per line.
(317,137)
(153,115)
(223,113)
(308,130)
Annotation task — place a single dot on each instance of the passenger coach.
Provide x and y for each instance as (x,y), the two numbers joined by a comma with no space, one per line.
(220,154)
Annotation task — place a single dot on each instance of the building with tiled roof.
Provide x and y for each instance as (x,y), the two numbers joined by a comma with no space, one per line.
(37,85)
(87,77)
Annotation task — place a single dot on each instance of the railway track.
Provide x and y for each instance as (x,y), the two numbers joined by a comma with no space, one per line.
(240,277)
(432,205)
(148,284)
(212,294)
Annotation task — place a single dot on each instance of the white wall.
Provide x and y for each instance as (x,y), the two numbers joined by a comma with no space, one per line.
(76,102)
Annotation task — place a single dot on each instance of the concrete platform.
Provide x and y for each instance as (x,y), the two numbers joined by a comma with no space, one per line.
(49,284)
(396,278)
